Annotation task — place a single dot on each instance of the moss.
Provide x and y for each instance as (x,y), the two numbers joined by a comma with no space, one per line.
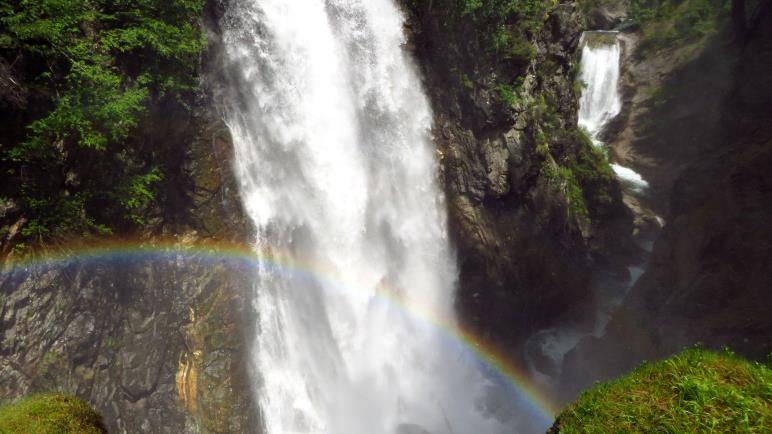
(50,414)
(695,391)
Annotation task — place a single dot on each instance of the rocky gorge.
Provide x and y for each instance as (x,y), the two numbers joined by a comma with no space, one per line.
(703,152)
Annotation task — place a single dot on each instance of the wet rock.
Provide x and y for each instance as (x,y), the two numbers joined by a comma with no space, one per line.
(607,17)
(70,328)
(523,257)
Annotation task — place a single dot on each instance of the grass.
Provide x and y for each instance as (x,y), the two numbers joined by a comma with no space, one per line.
(50,414)
(694,392)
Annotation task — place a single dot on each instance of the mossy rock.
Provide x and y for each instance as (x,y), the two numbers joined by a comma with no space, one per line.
(694,392)
(50,414)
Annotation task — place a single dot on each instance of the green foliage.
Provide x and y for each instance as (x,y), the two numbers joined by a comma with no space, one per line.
(694,392)
(585,174)
(566,178)
(136,194)
(95,68)
(507,94)
(592,170)
(507,26)
(658,97)
(50,414)
(59,215)
(531,13)
(667,23)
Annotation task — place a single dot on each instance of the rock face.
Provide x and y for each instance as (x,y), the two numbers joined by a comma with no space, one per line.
(155,341)
(608,16)
(152,344)
(525,256)
(707,154)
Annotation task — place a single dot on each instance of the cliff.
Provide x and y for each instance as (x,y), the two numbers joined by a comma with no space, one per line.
(534,208)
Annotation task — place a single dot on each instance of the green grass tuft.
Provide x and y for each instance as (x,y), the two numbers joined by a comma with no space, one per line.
(50,414)
(694,392)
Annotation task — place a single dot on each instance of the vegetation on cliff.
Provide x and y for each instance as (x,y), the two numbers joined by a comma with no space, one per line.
(668,22)
(486,36)
(584,173)
(50,414)
(695,391)
(90,92)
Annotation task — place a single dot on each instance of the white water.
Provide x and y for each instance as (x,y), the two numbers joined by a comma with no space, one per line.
(630,178)
(600,101)
(334,156)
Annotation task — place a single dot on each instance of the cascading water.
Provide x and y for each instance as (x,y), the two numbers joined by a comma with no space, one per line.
(334,156)
(600,101)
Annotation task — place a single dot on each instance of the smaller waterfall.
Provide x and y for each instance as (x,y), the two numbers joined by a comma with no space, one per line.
(630,178)
(600,100)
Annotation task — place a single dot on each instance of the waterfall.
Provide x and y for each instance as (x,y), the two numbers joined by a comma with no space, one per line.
(600,101)
(337,171)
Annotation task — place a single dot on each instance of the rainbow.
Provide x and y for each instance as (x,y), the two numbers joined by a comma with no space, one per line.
(233,253)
